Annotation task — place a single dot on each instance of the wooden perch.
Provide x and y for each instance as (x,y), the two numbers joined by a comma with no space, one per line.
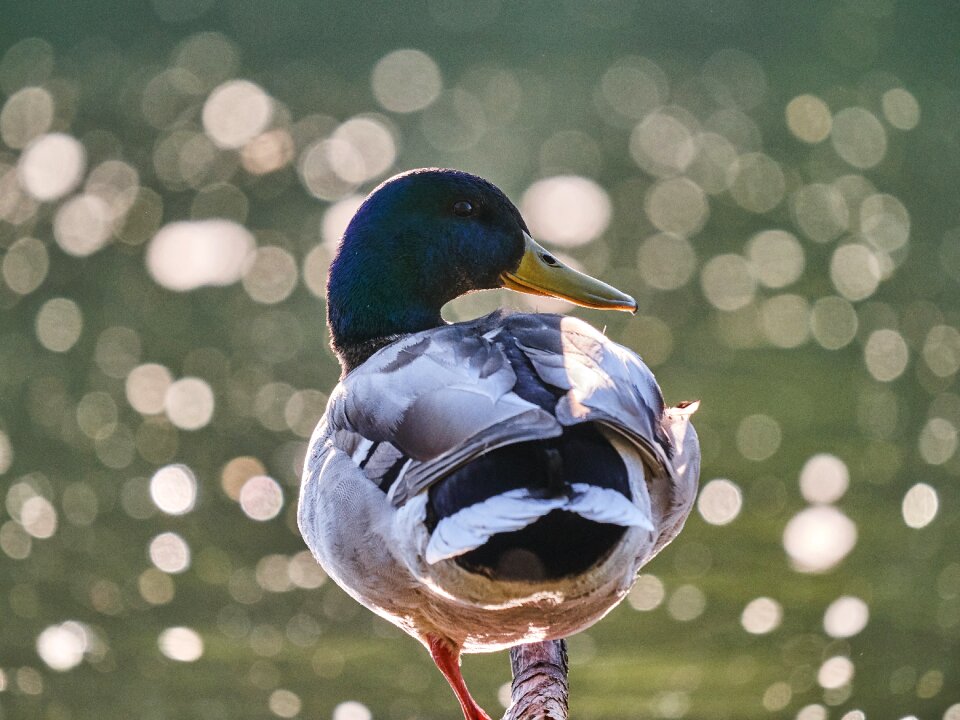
(539,689)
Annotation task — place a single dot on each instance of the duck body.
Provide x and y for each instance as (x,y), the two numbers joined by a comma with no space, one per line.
(457,473)
(492,482)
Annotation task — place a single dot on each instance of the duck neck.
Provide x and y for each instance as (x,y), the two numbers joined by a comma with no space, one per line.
(366,313)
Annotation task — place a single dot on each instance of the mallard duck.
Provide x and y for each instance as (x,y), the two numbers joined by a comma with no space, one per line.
(487,483)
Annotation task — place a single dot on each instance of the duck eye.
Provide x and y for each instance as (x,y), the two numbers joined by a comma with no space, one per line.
(463,208)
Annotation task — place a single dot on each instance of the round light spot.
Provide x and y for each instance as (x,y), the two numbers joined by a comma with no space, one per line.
(38,517)
(405,81)
(316,263)
(62,647)
(920,506)
(83,225)
(662,144)
(666,261)
(677,205)
(884,222)
(51,166)
(117,184)
(818,538)
(325,166)
(710,168)
(273,573)
(303,410)
(374,143)
(566,210)
(14,540)
(930,684)
(719,502)
(727,282)
(25,265)
(686,603)
(886,354)
(272,275)
(80,504)
(854,188)
(858,137)
(941,350)
(786,320)
(187,255)
(97,415)
(833,322)
(173,489)
(820,212)
(938,441)
(758,437)
(634,86)
(761,616)
(189,403)
(26,114)
(835,672)
(208,56)
(351,710)
(117,351)
(146,388)
(855,271)
(812,712)
(305,572)
(809,119)
(756,182)
(284,703)
(16,206)
(261,498)
(777,696)
(29,61)
(845,617)
(336,218)
(58,324)
(170,553)
(952,713)
(6,453)
(236,473)
(824,479)
(647,593)
(236,112)
(901,109)
(776,258)
(267,152)
(181,644)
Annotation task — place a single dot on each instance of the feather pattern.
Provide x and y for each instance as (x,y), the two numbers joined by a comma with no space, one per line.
(434,401)
(473,526)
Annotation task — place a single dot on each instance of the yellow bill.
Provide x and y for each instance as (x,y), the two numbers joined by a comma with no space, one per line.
(540,273)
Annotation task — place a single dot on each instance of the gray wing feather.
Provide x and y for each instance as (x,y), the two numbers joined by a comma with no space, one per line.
(531,424)
(604,382)
(445,396)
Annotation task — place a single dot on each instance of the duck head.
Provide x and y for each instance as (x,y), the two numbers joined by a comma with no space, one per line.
(425,237)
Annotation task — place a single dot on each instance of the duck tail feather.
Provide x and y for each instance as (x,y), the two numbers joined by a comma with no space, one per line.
(471,527)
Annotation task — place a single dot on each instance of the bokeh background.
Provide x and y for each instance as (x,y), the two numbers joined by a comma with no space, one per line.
(775,182)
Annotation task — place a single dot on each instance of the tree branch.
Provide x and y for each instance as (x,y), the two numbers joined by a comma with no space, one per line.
(539,689)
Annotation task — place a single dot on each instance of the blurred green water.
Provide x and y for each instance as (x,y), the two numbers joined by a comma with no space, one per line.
(839,338)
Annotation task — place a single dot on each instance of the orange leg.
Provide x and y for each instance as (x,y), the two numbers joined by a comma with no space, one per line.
(446,656)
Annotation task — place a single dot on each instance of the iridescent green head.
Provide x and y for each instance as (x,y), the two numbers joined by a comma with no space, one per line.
(426,237)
